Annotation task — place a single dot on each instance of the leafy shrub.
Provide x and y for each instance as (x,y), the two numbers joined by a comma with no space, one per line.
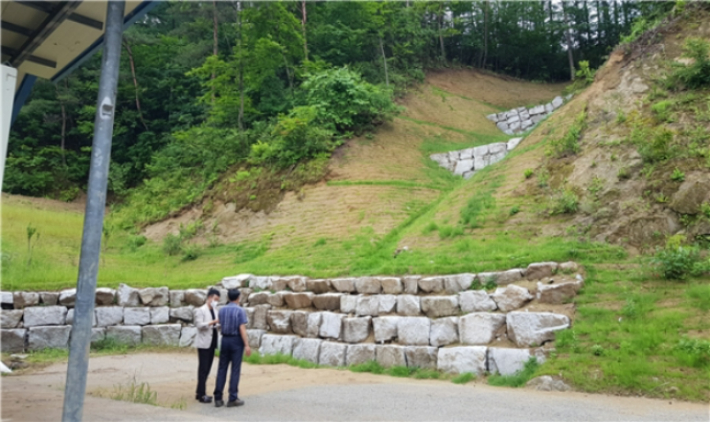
(191,252)
(677,263)
(295,137)
(696,74)
(597,350)
(343,101)
(514,210)
(528,173)
(172,244)
(135,242)
(564,202)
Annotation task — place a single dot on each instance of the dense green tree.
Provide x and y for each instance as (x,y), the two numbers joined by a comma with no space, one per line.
(207,69)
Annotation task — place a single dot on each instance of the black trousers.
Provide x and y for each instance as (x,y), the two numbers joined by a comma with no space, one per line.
(231,353)
(205,357)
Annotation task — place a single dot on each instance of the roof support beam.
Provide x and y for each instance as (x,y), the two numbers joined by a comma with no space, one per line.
(74,17)
(34,59)
(58,15)
(16,28)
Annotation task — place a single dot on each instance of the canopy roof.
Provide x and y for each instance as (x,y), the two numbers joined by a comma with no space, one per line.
(49,39)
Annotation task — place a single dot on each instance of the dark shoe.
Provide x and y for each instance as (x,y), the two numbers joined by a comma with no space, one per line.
(218,403)
(205,399)
(235,403)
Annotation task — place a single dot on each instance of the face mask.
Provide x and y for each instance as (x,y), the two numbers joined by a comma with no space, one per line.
(214,304)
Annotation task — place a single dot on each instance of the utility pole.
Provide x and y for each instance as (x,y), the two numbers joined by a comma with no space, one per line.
(75,387)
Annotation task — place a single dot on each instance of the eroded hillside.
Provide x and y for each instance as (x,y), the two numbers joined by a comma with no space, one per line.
(377,183)
(639,173)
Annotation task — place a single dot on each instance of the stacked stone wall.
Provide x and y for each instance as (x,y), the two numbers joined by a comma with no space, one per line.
(466,162)
(425,321)
(518,120)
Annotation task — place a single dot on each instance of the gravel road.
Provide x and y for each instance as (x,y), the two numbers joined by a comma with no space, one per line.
(284,393)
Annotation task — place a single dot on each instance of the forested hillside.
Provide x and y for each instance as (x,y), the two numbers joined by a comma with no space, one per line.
(296,138)
(207,85)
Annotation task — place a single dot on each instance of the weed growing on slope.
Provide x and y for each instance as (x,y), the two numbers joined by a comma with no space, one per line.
(518,379)
(568,144)
(699,296)
(482,200)
(564,202)
(677,175)
(693,352)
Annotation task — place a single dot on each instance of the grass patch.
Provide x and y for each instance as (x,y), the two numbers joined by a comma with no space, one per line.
(569,143)
(133,393)
(699,296)
(277,359)
(464,378)
(518,379)
(372,367)
(627,338)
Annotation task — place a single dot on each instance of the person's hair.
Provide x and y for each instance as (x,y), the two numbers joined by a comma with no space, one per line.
(213,292)
(233,294)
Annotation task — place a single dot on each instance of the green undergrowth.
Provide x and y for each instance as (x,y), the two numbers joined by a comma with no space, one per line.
(635,334)
(518,379)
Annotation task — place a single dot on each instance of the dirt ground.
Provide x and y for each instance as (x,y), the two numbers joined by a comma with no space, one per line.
(281,392)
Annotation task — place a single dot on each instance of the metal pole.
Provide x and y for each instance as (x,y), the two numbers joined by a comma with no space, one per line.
(94,217)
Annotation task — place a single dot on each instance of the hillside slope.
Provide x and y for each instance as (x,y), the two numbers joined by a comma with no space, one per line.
(374,185)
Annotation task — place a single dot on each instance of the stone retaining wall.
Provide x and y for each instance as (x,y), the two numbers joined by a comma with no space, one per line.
(466,162)
(433,322)
(520,119)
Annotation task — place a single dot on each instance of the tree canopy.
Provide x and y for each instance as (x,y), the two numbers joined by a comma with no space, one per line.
(205,85)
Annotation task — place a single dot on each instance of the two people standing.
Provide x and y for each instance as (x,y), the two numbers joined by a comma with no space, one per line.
(232,320)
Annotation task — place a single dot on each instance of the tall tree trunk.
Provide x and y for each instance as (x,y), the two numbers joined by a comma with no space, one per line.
(568,36)
(303,29)
(485,34)
(384,62)
(215,39)
(440,20)
(288,74)
(64,122)
(135,81)
(240,116)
